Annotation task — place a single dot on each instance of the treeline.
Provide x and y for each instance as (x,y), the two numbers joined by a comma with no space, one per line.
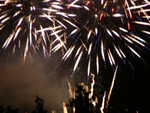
(39,107)
(79,103)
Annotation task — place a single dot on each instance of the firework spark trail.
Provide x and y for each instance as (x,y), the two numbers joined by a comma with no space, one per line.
(103,103)
(36,22)
(64,108)
(104,30)
(70,90)
(16,12)
(92,86)
(107,30)
(111,87)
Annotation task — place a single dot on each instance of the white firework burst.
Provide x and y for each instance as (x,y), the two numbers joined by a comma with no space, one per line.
(107,31)
(32,24)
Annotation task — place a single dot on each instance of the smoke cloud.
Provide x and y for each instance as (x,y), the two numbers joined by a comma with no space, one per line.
(21,83)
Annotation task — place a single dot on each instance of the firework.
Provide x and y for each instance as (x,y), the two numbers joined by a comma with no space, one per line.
(107,31)
(111,87)
(33,24)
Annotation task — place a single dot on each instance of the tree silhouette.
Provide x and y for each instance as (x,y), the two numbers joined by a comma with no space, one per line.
(1,109)
(39,105)
(11,110)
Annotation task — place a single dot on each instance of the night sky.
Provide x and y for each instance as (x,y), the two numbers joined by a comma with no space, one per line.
(21,82)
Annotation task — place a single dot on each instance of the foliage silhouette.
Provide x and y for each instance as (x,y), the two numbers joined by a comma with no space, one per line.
(1,109)
(11,110)
(39,105)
